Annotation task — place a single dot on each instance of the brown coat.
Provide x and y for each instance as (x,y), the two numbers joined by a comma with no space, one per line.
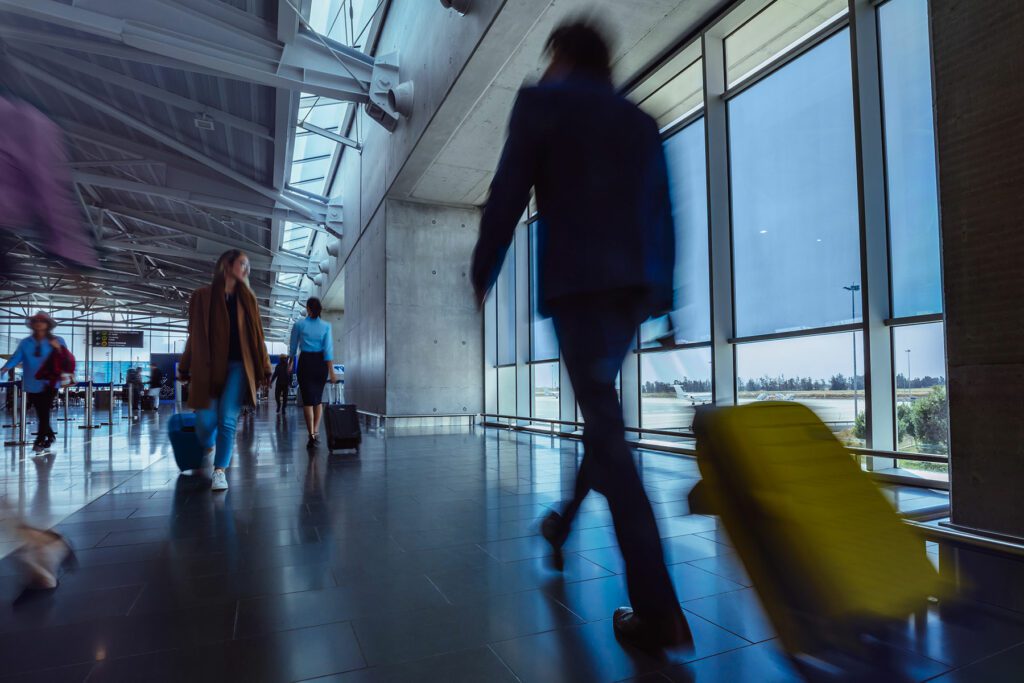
(205,360)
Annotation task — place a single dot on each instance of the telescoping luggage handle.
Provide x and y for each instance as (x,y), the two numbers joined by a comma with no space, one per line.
(338,392)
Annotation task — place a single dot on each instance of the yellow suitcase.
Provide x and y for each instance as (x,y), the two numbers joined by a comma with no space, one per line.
(826,552)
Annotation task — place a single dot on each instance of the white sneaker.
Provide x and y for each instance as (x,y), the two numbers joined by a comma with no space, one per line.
(220,481)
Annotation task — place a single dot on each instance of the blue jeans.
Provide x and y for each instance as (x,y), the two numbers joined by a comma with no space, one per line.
(216,424)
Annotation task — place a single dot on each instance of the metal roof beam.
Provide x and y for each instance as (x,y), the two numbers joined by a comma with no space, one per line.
(151,91)
(258,261)
(275,257)
(174,191)
(340,139)
(160,136)
(288,21)
(305,64)
(184,228)
(114,163)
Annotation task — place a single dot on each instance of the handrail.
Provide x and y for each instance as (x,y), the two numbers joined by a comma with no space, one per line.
(416,417)
(900,455)
(632,430)
(895,455)
(948,535)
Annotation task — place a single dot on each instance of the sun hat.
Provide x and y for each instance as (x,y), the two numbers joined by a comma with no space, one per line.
(41,316)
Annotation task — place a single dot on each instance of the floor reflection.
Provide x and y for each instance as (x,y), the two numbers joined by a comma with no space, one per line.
(416,560)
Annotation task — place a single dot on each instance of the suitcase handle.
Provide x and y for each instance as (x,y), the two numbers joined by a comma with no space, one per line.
(334,391)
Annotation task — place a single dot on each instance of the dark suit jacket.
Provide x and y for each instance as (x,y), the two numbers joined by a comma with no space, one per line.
(598,168)
(281,377)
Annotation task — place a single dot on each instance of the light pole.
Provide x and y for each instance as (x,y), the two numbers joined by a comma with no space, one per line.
(910,395)
(853,289)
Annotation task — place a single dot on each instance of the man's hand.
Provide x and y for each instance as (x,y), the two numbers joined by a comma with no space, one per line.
(55,344)
(334,378)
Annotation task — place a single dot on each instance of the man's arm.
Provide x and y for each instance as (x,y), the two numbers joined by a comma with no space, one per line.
(510,192)
(17,357)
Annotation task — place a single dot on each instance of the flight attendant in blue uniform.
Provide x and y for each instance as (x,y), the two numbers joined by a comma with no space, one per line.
(312,337)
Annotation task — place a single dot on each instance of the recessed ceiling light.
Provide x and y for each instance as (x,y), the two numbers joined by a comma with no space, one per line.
(764,232)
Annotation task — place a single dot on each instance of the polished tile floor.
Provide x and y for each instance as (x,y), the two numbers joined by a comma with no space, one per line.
(416,561)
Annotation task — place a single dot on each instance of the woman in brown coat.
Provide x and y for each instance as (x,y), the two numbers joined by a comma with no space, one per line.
(225,357)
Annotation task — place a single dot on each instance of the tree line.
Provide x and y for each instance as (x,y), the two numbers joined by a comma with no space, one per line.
(687,384)
(837,382)
(926,382)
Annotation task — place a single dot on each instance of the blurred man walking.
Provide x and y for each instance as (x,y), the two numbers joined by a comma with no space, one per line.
(606,253)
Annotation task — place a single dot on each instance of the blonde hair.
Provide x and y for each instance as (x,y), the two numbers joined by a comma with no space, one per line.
(224,263)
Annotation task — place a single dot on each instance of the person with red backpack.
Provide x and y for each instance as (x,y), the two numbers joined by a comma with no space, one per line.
(45,360)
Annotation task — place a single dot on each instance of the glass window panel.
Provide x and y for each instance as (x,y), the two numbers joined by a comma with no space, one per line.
(922,409)
(505,294)
(490,331)
(321,112)
(341,20)
(507,390)
(305,171)
(910,157)
(289,279)
(672,385)
(490,389)
(794,195)
(817,371)
(686,166)
(677,98)
(543,342)
(545,390)
(775,31)
(325,13)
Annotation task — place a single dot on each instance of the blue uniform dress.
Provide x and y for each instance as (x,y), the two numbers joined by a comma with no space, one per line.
(312,337)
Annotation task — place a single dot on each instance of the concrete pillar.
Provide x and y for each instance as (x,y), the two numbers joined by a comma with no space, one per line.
(363,325)
(434,340)
(979,94)
(336,318)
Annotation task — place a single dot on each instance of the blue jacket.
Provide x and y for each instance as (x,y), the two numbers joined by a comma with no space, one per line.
(598,168)
(25,354)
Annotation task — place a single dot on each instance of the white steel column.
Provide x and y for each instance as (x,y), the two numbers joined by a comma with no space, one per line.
(874,230)
(719,217)
(524,383)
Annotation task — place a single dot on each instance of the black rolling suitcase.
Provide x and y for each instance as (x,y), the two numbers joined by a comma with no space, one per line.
(342,424)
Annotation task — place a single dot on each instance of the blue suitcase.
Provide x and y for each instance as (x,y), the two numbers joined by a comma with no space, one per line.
(188,452)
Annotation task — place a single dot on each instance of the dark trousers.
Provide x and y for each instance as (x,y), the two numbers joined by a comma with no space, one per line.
(281,394)
(594,334)
(42,402)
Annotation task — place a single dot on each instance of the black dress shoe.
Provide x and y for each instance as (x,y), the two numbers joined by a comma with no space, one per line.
(554,530)
(651,634)
(311,443)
